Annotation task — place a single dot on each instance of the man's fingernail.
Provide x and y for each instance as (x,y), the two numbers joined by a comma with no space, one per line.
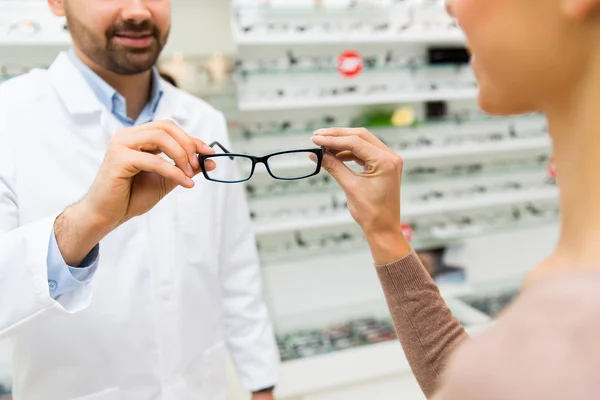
(321,132)
(195,162)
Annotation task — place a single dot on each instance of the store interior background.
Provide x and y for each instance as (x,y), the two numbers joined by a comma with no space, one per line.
(335,333)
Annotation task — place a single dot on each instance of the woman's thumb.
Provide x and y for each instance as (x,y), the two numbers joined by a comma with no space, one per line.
(336,168)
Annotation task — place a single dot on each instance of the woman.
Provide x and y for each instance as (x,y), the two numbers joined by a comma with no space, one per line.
(534,55)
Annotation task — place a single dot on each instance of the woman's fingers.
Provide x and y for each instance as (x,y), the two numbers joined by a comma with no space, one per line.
(347,156)
(360,132)
(359,147)
(337,169)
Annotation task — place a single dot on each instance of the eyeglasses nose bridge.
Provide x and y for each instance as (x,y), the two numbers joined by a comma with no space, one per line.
(261,160)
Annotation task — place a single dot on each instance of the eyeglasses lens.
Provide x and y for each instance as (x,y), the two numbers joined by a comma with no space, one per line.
(230,166)
(293,165)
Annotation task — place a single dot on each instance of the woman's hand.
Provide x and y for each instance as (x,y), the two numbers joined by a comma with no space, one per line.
(373,195)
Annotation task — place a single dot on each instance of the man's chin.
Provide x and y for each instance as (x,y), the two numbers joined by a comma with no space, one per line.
(133,62)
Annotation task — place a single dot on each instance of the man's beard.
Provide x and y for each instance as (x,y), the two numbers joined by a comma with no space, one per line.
(114,57)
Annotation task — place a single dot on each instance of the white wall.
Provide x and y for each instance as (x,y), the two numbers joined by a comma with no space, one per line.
(200,27)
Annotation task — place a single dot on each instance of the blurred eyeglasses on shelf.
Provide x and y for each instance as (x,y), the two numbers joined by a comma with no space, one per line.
(481,189)
(326,184)
(427,231)
(24,28)
(337,203)
(254,129)
(286,165)
(292,62)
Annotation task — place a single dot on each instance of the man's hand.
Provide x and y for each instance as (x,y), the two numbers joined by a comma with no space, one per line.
(374,194)
(263,396)
(132,179)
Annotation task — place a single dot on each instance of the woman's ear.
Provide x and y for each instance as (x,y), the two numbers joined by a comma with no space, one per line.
(57,7)
(579,9)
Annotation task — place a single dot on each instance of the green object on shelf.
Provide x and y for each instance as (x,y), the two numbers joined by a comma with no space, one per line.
(399,118)
(375,119)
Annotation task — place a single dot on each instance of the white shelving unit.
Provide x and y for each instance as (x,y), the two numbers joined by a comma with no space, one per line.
(350,367)
(412,212)
(29,23)
(348,373)
(349,101)
(414,38)
(464,151)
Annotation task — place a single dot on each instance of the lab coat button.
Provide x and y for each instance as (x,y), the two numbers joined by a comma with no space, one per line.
(52,285)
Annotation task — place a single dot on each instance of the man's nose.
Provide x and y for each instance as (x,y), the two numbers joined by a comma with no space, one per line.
(135,10)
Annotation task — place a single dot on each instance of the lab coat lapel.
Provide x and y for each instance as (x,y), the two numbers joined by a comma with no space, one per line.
(72,89)
(173,107)
(84,109)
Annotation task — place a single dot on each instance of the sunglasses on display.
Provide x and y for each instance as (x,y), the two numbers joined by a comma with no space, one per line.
(288,165)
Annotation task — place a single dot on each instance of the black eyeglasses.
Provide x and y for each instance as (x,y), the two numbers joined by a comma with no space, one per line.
(285,165)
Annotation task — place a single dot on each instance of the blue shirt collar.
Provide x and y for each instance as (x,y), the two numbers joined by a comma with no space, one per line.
(113,100)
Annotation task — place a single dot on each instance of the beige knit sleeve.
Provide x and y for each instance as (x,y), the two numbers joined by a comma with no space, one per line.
(425,326)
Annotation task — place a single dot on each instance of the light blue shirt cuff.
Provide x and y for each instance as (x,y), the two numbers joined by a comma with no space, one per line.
(63,278)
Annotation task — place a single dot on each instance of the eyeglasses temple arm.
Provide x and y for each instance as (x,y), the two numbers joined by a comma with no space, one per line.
(213,144)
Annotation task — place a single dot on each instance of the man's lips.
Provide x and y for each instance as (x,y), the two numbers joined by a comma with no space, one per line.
(135,39)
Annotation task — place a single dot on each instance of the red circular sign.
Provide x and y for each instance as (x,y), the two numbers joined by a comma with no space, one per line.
(407,230)
(350,64)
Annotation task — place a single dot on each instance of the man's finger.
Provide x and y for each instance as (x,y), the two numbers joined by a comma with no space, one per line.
(186,141)
(202,148)
(153,140)
(360,132)
(152,163)
(172,129)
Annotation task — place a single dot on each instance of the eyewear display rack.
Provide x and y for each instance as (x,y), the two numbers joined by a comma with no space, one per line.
(397,68)
(30,23)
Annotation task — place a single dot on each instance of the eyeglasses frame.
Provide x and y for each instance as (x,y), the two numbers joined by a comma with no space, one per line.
(318,152)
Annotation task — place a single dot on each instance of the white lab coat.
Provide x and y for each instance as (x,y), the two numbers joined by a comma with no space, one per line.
(174,289)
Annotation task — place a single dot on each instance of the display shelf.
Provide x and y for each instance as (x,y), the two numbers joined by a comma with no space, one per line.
(468,150)
(348,367)
(354,7)
(382,360)
(418,243)
(36,42)
(452,123)
(455,38)
(359,100)
(248,73)
(410,212)
(408,180)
